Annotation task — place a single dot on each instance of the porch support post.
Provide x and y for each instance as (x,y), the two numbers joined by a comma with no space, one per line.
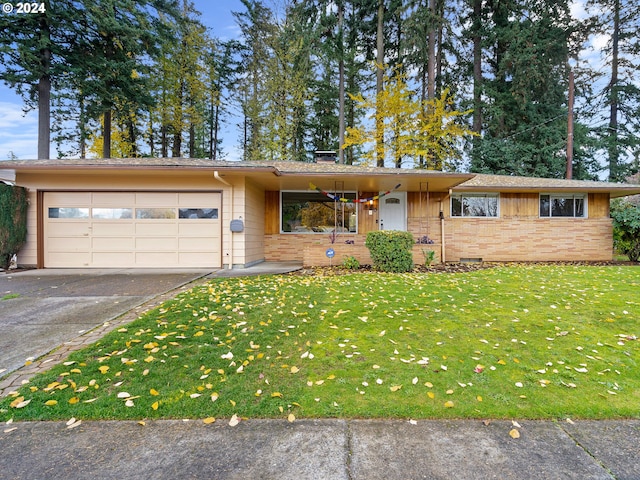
(442,253)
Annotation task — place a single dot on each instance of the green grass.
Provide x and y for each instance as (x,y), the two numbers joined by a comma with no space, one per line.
(9,296)
(518,341)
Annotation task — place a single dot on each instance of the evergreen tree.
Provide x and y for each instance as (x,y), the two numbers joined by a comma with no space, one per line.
(35,53)
(527,47)
(257,27)
(118,35)
(619,99)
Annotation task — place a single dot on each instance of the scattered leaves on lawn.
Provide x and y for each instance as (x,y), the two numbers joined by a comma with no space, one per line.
(338,344)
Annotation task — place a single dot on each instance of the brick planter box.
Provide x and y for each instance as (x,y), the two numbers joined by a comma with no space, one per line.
(316,255)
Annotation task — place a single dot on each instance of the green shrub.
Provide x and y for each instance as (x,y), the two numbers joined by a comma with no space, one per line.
(626,228)
(351,263)
(390,250)
(429,256)
(13,222)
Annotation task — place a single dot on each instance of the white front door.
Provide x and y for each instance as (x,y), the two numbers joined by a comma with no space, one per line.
(393,211)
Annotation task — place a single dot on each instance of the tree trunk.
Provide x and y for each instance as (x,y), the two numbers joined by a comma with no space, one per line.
(379,84)
(44,95)
(614,160)
(477,79)
(431,60)
(192,141)
(164,142)
(341,92)
(106,135)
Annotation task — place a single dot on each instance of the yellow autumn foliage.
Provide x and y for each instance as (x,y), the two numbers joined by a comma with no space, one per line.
(427,133)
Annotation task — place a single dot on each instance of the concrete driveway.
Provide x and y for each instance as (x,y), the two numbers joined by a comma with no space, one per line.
(42,309)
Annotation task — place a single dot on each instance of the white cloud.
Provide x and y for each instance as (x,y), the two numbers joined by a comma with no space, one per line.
(578,10)
(18,132)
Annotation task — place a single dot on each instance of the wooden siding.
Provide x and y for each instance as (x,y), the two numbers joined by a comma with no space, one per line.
(271,212)
(519,205)
(598,205)
(254,220)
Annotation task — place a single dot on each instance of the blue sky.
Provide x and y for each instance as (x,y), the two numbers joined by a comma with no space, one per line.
(19,132)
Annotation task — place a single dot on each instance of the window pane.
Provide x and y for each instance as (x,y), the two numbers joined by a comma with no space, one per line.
(471,205)
(561,207)
(198,213)
(474,206)
(155,213)
(492,206)
(579,207)
(544,205)
(68,212)
(112,213)
(308,212)
(456,206)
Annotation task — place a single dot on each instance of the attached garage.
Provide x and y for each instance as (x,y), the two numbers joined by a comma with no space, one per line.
(151,229)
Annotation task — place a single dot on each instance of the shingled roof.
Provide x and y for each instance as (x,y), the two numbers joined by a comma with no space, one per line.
(467,181)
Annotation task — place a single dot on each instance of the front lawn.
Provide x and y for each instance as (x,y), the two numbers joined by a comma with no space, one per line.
(507,342)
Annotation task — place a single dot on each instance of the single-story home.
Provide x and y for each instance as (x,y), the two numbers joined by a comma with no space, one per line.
(174,212)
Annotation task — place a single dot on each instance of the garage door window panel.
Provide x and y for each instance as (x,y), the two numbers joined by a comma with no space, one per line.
(155,213)
(112,213)
(198,213)
(68,212)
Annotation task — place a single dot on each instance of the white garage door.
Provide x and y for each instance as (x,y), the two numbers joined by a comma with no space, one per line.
(132,229)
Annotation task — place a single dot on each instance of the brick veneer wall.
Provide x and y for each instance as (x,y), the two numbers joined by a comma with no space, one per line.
(311,250)
(499,239)
(529,239)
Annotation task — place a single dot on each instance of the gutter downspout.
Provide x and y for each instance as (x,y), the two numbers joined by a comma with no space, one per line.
(443,257)
(220,179)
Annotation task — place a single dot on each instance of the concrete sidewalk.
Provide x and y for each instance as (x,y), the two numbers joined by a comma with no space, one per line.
(321,449)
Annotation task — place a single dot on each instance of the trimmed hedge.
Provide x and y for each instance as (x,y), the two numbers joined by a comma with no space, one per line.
(391,250)
(13,222)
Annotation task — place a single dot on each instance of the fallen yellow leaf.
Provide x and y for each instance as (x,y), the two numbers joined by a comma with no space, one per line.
(73,400)
(208,420)
(448,404)
(154,392)
(276,394)
(431,395)
(51,403)
(155,405)
(103,369)
(395,388)
(291,418)
(514,433)
(295,369)
(234,421)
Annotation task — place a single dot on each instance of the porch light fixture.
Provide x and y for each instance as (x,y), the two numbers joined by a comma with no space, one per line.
(370,207)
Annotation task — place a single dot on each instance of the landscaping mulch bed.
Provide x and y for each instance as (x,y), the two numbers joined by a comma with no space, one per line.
(459,267)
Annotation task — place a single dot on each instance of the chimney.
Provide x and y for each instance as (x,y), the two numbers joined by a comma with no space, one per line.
(325,156)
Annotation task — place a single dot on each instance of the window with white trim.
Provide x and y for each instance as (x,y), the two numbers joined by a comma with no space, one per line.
(475,204)
(563,205)
(314,212)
